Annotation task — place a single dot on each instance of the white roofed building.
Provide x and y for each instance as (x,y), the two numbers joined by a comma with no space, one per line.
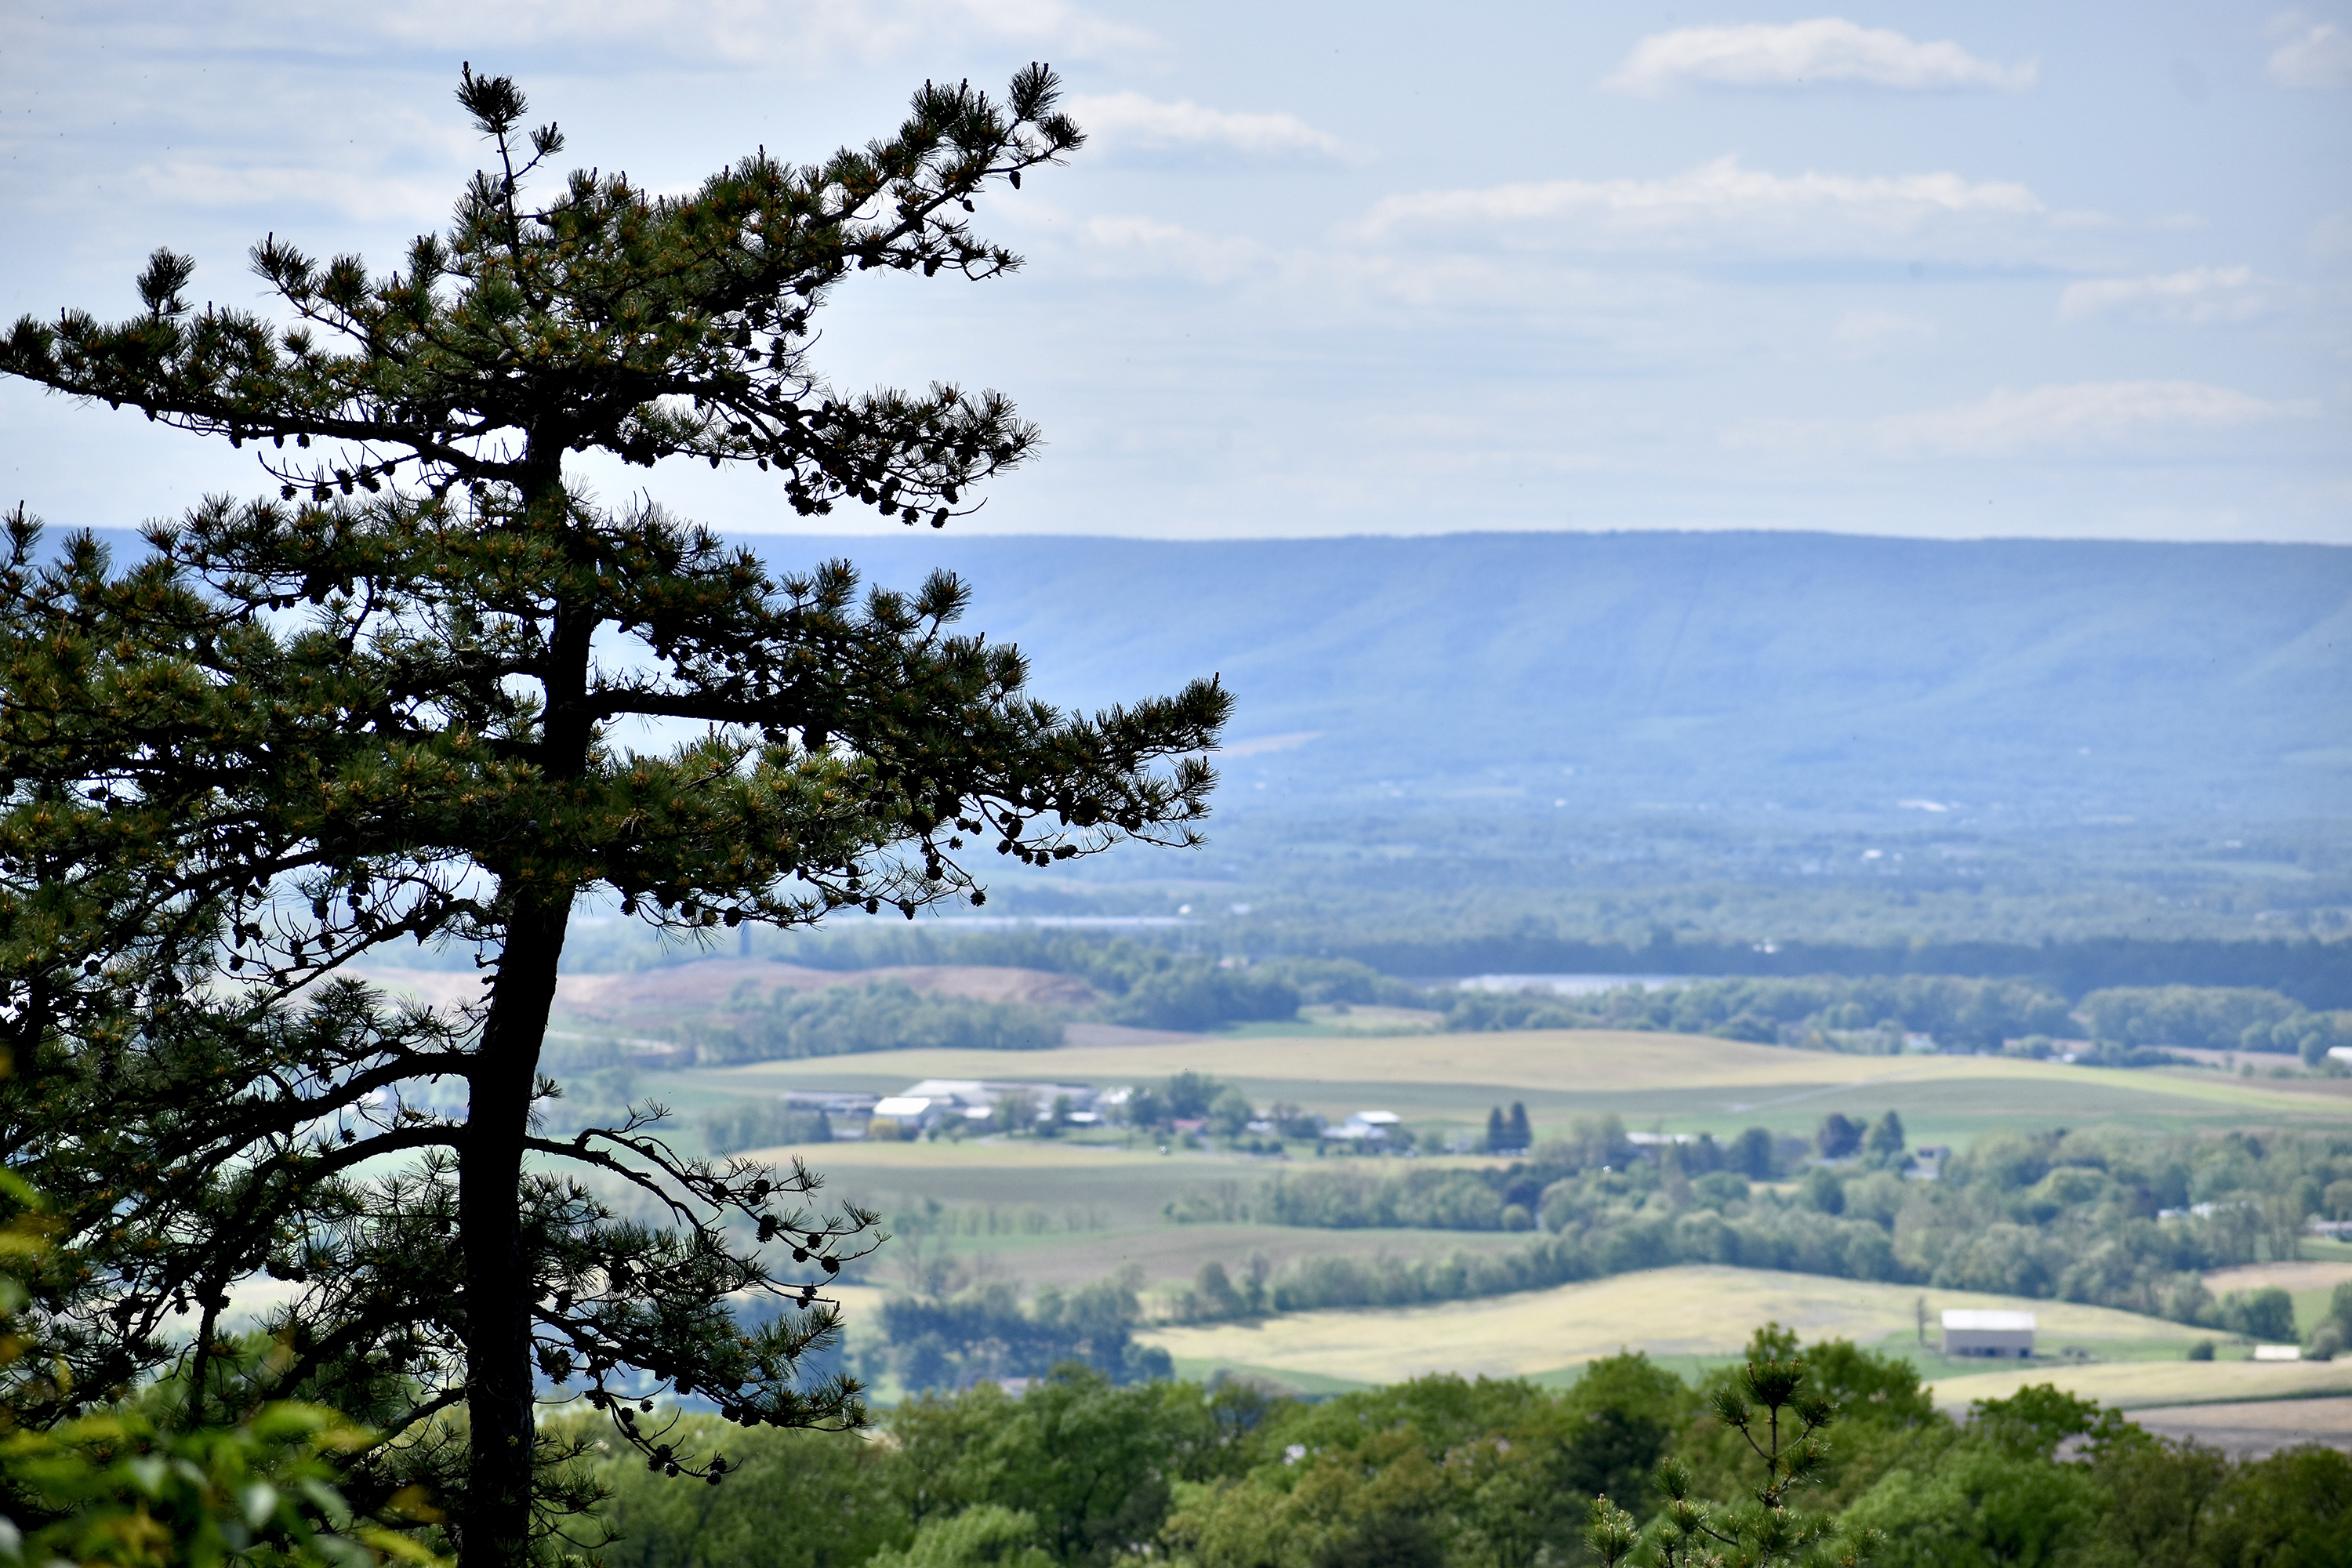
(1978,1331)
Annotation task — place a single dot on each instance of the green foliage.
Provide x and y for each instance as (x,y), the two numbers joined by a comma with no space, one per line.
(841,1498)
(988,1534)
(119,1490)
(886,1016)
(1437,1470)
(1997,1491)
(2333,1333)
(989,1333)
(2212,1018)
(1451,1472)
(1093,1464)
(2267,1313)
(756,1124)
(1765,1413)
(1825,1012)
(379,711)
(2069,1215)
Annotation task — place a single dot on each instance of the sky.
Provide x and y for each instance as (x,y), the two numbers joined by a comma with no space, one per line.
(2078,271)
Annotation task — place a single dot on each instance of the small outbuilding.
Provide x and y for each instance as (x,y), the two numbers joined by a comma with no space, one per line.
(1973,1332)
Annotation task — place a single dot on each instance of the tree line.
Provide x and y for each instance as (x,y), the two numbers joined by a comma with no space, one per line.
(1626,1464)
(2103,1216)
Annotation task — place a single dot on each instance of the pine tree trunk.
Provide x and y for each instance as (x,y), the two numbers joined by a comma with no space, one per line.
(495,1524)
(499,1287)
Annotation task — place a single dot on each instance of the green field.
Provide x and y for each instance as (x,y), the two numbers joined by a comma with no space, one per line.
(1444,1083)
(1068,1210)
(1695,1313)
(1075,1209)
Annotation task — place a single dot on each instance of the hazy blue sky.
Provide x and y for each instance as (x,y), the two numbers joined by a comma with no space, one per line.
(2079,270)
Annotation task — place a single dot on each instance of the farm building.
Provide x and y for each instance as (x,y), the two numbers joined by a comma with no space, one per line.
(1975,1332)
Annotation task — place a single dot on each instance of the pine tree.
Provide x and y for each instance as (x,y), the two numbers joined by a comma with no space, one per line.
(1781,1423)
(1522,1135)
(374,708)
(1498,1137)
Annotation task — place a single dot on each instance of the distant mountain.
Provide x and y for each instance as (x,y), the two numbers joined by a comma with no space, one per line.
(1741,669)
(2053,679)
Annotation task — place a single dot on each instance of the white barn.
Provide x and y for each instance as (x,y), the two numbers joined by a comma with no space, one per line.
(1972,1331)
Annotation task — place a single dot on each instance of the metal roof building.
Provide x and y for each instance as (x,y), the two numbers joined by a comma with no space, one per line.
(1970,1331)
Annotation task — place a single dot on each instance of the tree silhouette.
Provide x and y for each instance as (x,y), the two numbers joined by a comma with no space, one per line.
(377,707)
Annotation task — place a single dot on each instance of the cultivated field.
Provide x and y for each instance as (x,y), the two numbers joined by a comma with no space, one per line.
(2254,1429)
(1695,1311)
(1069,1211)
(2129,1385)
(1678,1083)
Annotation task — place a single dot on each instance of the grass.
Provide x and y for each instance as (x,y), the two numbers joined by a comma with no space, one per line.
(1680,1082)
(2133,1385)
(1072,1210)
(2311,1283)
(1699,1311)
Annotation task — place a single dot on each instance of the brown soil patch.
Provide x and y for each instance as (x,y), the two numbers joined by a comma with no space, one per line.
(2292,1278)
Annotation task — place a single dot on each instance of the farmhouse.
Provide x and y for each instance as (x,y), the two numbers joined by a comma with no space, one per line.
(1969,1332)
(1368,1126)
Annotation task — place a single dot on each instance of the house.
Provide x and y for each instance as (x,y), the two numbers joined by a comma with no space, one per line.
(1975,1331)
(1927,1162)
(1367,1127)
(938,1101)
(909,1114)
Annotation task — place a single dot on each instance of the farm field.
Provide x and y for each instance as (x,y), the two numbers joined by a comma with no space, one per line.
(2254,1429)
(1694,1312)
(1070,1210)
(1678,1082)
(1065,1213)
(2173,1383)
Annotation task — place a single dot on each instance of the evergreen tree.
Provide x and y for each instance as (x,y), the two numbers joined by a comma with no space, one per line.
(1886,1137)
(375,708)
(1498,1136)
(1522,1136)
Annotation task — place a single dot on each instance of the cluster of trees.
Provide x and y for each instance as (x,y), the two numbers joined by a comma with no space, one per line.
(887,1014)
(988,1332)
(1138,984)
(2107,1216)
(1079,1471)
(1508,1134)
(2070,960)
(762,1124)
(2127,1026)
(1830,1012)
(2213,1018)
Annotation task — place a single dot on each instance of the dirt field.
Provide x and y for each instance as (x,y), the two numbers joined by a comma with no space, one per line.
(2250,1431)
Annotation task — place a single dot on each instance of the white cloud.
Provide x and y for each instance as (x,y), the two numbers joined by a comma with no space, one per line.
(1824,50)
(1868,332)
(1128,247)
(2197,297)
(798,36)
(2084,414)
(1721,202)
(2317,55)
(1132,119)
